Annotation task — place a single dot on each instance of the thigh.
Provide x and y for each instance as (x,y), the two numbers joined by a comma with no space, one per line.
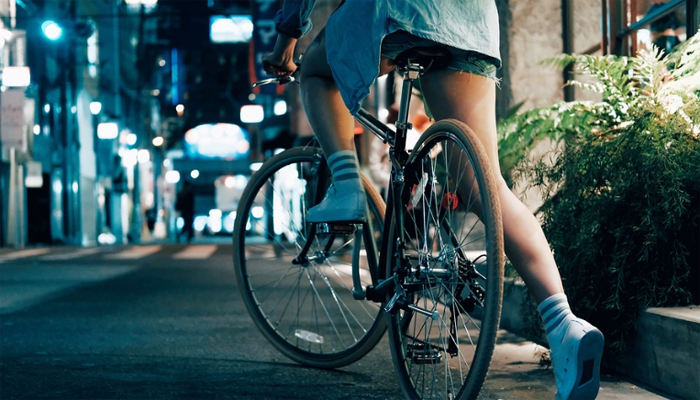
(469,98)
(314,61)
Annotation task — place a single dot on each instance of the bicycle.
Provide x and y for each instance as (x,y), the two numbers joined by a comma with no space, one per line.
(431,260)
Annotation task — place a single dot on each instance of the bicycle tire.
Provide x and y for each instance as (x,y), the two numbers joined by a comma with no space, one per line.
(441,266)
(305,310)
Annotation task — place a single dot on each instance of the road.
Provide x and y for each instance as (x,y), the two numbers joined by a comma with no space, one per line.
(166,322)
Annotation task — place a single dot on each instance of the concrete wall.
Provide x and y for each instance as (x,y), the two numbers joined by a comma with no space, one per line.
(534,33)
(665,352)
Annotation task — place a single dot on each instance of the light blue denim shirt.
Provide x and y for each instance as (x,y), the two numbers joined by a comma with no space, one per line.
(355,31)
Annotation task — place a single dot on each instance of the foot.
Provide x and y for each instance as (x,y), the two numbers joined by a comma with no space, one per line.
(338,205)
(576,357)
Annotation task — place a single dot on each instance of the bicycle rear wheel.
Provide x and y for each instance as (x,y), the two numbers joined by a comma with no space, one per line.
(450,266)
(303,305)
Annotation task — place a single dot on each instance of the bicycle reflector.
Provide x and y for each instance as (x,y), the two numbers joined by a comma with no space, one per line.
(450,201)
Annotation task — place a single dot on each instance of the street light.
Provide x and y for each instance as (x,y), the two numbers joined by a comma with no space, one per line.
(52,30)
(95,107)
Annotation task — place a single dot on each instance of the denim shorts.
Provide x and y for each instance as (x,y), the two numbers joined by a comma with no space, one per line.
(460,60)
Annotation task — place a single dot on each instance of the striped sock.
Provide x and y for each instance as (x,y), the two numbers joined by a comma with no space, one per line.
(345,170)
(554,311)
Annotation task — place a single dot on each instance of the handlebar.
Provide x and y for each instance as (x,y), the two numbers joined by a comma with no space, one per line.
(281,80)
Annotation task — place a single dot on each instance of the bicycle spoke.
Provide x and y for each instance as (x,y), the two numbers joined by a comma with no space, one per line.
(443,222)
(295,283)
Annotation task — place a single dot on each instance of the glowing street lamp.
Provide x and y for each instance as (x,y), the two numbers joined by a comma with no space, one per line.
(95,107)
(52,30)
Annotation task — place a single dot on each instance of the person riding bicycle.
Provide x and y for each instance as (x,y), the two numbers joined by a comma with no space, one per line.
(357,45)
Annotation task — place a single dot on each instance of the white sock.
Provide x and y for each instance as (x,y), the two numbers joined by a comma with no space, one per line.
(345,169)
(555,311)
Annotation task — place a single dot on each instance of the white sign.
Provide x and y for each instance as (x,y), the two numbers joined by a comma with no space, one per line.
(12,126)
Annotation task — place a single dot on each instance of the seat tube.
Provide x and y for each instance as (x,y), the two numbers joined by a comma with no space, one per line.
(402,125)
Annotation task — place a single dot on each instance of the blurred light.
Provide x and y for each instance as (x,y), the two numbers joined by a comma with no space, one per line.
(33,177)
(252,113)
(161,62)
(172,177)
(129,157)
(180,109)
(230,29)
(383,114)
(194,174)
(644,36)
(230,182)
(280,107)
(214,220)
(255,166)
(52,30)
(257,212)
(57,185)
(75,187)
(47,108)
(106,238)
(16,76)
(144,156)
(200,222)
(241,181)
(158,141)
(131,139)
(156,92)
(107,130)
(37,129)
(142,2)
(167,162)
(221,140)
(74,110)
(229,222)
(95,107)
(180,223)
(251,97)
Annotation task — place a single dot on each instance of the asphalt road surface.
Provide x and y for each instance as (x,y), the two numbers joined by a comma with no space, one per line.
(167,322)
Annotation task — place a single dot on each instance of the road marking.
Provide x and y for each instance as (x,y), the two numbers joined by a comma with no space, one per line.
(23,253)
(71,255)
(195,252)
(25,285)
(134,252)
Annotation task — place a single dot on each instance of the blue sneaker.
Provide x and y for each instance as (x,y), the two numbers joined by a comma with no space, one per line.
(576,360)
(337,206)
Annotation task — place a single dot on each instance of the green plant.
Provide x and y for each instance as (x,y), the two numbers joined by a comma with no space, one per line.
(622,190)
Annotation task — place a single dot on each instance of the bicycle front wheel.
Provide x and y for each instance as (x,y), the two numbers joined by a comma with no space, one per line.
(295,283)
(450,266)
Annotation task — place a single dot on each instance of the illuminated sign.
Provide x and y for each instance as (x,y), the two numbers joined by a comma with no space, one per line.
(225,141)
(230,29)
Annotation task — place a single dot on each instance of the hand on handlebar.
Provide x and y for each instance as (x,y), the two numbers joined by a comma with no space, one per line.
(284,73)
(273,66)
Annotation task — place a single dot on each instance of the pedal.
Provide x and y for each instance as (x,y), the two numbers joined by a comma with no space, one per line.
(420,353)
(334,228)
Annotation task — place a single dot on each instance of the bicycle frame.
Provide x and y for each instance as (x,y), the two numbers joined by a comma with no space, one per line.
(398,156)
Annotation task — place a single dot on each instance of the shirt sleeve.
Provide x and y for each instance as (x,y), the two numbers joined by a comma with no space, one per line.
(293,19)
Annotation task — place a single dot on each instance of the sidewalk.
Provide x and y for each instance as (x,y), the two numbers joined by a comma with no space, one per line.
(664,358)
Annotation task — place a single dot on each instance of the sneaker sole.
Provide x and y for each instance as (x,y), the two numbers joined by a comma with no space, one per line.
(590,352)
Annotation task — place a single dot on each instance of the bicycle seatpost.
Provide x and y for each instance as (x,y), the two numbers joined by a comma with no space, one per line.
(410,72)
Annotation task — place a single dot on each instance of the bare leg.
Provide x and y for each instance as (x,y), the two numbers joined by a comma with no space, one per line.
(329,117)
(471,99)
